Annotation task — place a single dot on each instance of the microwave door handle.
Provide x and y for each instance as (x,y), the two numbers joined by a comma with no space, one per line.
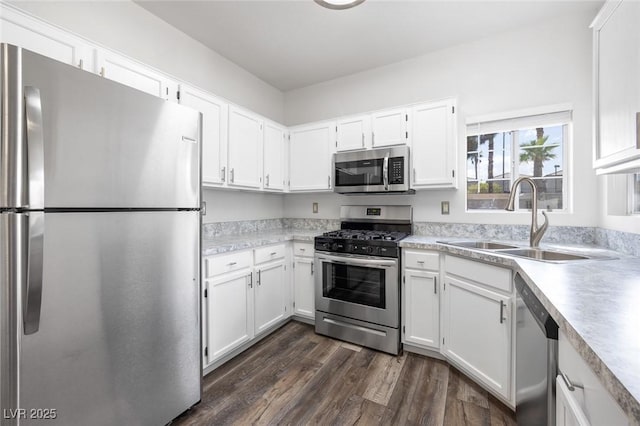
(385,172)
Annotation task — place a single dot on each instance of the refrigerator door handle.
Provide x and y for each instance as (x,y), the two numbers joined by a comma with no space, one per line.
(33,293)
(35,171)
(35,147)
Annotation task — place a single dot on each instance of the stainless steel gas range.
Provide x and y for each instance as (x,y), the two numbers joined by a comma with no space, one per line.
(358,284)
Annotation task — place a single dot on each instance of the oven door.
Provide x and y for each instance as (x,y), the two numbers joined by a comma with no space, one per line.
(359,287)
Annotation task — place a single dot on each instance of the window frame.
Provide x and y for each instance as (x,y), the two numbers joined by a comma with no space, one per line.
(514,172)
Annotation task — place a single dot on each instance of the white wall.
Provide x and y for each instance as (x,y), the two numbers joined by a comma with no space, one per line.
(227,205)
(128,28)
(543,64)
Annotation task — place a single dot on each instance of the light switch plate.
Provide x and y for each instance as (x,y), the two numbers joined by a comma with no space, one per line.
(444,207)
(314,207)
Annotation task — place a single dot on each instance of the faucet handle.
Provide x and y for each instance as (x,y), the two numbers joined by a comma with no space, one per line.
(538,233)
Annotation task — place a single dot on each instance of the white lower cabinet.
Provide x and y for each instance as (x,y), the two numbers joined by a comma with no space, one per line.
(270,295)
(421,300)
(245,293)
(229,313)
(477,325)
(303,281)
(588,403)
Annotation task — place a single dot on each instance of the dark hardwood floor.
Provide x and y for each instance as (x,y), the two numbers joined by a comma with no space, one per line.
(297,377)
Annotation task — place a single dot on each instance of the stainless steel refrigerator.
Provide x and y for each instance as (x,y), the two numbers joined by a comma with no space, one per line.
(99,249)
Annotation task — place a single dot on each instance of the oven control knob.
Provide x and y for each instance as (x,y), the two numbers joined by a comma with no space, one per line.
(327,246)
(334,246)
(368,249)
(348,248)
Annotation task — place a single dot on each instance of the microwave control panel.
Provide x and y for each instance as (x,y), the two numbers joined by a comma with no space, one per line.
(396,170)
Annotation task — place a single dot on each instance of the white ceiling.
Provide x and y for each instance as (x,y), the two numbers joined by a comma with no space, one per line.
(296,43)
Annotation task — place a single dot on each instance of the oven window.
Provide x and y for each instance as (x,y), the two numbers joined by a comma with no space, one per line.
(359,173)
(356,284)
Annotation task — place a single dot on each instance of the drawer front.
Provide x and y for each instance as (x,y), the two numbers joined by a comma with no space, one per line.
(266,254)
(491,276)
(302,249)
(423,260)
(216,265)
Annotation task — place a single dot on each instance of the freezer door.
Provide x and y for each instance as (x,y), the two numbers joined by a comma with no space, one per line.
(119,331)
(109,146)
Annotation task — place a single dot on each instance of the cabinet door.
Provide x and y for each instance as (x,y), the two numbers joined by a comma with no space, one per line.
(353,133)
(245,148)
(617,82)
(310,157)
(303,288)
(568,409)
(274,149)
(214,132)
(229,319)
(389,127)
(477,333)
(270,292)
(22,30)
(433,145)
(134,74)
(421,309)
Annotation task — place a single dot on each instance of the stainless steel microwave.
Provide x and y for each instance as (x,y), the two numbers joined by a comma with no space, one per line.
(380,170)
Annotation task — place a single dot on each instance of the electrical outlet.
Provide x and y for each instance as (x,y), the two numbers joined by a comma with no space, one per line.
(444,207)
(314,207)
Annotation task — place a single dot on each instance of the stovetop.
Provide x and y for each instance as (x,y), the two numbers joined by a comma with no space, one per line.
(364,242)
(355,234)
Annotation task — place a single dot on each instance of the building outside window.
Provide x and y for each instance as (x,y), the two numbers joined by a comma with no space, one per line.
(500,151)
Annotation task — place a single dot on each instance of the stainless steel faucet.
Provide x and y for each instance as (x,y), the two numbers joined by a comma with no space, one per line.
(535,235)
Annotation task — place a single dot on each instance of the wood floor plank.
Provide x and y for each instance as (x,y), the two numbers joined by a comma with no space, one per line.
(298,377)
(384,373)
(359,411)
(304,406)
(500,414)
(328,411)
(430,398)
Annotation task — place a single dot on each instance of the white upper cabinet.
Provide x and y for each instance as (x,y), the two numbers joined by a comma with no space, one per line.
(274,156)
(214,132)
(22,30)
(245,148)
(616,41)
(353,133)
(310,152)
(433,145)
(134,74)
(389,127)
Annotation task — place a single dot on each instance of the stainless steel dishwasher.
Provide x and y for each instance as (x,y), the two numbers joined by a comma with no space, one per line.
(536,359)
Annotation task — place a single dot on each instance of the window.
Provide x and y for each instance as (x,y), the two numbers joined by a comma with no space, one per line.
(500,151)
(635,194)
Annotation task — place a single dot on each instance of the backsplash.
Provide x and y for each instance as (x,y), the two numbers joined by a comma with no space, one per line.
(217,229)
(555,234)
(624,242)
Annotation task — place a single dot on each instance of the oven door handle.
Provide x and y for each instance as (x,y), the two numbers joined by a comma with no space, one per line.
(357,261)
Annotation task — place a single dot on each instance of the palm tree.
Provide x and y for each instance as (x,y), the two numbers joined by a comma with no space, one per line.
(537,151)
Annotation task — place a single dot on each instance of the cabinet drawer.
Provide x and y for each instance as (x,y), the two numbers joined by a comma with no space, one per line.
(491,276)
(265,254)
(422,260)
(302,249)
(216,265)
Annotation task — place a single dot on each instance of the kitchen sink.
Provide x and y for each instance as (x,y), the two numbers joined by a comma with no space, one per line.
(481,245)
(544,255)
